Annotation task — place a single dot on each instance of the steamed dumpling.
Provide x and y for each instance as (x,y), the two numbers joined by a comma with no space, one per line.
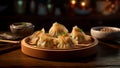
(57,29)
(78,35)
(35,36)
(88,39)
(45,41)
(65,42)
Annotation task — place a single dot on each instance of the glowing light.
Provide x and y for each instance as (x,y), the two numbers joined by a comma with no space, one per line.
(20,2)
(73,2)
(49,6)
(83,4)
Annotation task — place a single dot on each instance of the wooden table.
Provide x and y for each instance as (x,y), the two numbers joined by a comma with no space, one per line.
(106,56)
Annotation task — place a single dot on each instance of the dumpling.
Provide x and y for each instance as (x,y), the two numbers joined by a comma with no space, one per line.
(65,42)
(57,29)
(88,39)
(78,35)
(35,36)
(45,41)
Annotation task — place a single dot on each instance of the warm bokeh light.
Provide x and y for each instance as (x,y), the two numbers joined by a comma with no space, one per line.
(73,2)
(83,4)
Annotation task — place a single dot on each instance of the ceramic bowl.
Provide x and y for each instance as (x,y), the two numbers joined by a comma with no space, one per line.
(22,29)
(105,33)
(58,54)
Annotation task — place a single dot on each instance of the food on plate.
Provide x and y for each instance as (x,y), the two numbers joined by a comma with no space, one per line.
(57,28)
(78,35)
(45,41)
(65,42)
(35,36)
(59,38)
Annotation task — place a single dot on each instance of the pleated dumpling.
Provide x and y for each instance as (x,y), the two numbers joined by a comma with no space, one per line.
(57,29)
(78,35)
(45,41)
(35,36)
(65,42)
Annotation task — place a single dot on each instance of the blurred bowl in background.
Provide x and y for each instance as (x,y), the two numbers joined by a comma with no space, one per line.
(82,12)
(106,33)
(22,29)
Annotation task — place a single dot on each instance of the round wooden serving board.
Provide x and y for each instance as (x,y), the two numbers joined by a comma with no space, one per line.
(57,54)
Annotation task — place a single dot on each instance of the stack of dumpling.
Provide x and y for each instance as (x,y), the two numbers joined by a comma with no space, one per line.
(58,37)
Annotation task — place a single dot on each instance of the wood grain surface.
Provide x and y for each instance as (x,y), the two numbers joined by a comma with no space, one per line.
(106,57)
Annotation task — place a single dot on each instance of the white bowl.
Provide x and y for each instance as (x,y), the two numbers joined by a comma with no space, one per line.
(105,35)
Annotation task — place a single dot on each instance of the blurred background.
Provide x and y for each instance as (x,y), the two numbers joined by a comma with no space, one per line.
(43,13)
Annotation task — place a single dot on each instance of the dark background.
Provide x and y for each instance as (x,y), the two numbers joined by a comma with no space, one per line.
(67,17)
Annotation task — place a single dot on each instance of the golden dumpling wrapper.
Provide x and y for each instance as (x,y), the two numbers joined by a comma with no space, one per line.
(57,28)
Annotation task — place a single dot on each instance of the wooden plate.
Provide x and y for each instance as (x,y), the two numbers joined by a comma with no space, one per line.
(54,54)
